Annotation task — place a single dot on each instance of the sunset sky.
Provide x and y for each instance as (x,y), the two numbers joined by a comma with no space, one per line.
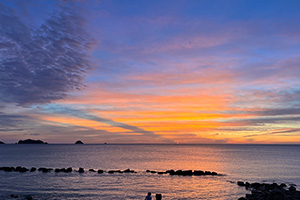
(138,71)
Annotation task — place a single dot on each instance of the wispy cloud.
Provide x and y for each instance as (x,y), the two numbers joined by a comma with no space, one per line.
(40,65)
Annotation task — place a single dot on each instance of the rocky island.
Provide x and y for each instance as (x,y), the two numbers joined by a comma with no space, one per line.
(2,142)
(78,142)
(30,141)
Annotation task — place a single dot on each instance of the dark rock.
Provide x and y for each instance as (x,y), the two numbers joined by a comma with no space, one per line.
(128,171)
(282,185)
(32,169)
(292,189)
(240,183)
(111,171)
(28,197)
(92,170)
(153,172)
(198,173)
(57,170)
(2,142)
(187,173)
(171,172)
(81,170)
(7,169)
(214,173)
(161,172)
(100,171)
(21,169)
(207,173)
(265,191)
(69,169)
(178,172)
(255,185)
(147,170)
(242,198)
(44,170)
(78,142)
(30,141)
(14,196)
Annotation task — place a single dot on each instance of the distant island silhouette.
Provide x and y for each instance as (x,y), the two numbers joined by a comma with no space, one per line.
(2,142)
(30,141)
(79,142)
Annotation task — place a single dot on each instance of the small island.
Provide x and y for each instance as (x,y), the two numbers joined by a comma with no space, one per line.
(30,141)
(78,142)
(2,142)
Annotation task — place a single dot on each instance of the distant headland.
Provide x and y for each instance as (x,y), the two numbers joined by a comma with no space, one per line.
(30,141)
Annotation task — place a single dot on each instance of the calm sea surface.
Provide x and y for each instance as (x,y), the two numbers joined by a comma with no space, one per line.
(261,163)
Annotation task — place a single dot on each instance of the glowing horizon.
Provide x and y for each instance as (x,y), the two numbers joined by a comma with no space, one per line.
(184,72)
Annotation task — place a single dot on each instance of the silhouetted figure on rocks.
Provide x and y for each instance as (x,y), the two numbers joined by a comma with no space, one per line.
(148,197)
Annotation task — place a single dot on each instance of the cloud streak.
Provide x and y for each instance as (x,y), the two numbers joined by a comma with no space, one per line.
(40,65)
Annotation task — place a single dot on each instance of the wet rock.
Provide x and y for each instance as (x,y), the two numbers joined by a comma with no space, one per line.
(57,170)
(282,185)
(14,196)
(292,189)
(33,169)
(242,198)
(7,169)
(45,170)
(81,170)
(147,170)
(198,173)
(100,171)
(21,169)
(187,173)
(240,183)
(153,172)
(92,170)
(28,197)
(128,171)
(265,191)
(171,172)
(178,172)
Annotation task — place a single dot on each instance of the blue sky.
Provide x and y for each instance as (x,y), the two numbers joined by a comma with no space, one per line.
(150,71)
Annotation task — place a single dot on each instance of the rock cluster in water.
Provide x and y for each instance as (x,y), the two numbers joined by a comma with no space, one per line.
(265,191)
(100,171)
(186,172)
(65,170)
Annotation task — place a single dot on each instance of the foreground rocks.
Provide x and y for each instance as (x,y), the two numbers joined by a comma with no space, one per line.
(265,191)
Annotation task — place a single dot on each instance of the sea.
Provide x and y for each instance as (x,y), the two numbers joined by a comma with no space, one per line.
(252,163)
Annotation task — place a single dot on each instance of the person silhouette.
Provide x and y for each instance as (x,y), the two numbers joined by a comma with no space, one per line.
(148,197)
(158,196)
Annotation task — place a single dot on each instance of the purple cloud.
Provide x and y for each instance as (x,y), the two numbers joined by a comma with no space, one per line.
(40,65)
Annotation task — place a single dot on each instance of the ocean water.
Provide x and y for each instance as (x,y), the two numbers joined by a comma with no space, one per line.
(253,163)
